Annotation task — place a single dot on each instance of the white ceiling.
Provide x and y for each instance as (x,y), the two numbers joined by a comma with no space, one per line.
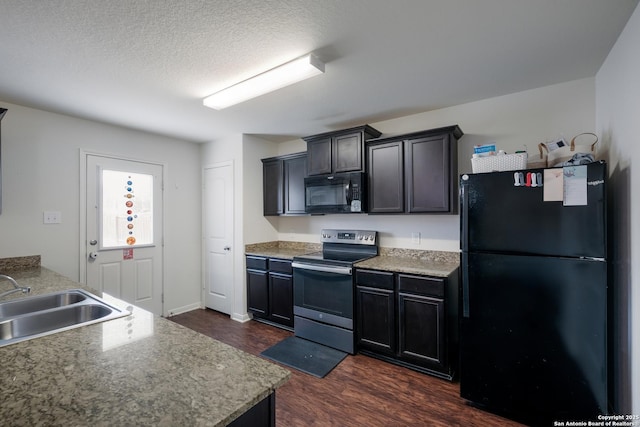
(147,64)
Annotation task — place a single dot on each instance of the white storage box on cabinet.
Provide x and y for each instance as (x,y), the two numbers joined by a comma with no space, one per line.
(499,163)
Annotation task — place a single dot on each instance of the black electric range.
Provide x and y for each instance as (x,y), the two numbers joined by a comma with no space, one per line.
(323,287)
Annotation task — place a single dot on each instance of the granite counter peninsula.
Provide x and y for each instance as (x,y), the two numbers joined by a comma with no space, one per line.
(135,370)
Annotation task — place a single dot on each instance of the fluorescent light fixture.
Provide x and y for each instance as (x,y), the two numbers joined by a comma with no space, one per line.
(276,78)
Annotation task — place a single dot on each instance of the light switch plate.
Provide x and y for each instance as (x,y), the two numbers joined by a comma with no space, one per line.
(52,217)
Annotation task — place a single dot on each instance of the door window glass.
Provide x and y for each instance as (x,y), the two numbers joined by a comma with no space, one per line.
(126,209)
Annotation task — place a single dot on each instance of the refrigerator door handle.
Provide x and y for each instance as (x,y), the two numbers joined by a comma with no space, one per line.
(464,223)
(465,285)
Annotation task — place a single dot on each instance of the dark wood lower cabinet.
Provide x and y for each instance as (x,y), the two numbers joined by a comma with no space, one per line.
(258,292)
(262,414)
(408,320)
(376,323)
(270,290)
(281,298)
(421,339)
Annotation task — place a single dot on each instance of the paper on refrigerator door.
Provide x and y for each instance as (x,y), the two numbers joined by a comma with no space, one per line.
(553,189)
(575,185)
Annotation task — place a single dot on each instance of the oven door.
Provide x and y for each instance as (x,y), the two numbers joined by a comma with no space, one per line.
(323,293)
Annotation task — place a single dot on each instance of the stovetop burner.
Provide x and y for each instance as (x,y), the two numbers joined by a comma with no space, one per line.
(346,258)
(343,247)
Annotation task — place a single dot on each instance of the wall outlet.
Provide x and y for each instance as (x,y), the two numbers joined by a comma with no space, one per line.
(415,237)
(52,217)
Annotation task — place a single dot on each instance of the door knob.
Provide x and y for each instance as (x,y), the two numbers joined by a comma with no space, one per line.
(227,248)
(93,255)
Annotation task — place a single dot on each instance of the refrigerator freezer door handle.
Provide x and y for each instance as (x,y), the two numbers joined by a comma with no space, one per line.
(465,285)
(464,224)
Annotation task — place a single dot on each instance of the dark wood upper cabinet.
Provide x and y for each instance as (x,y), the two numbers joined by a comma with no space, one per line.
(272,183)
(295,169)
(428,167)
(283,184)
(386,177)
(319,156)
(414,173)
(338,152)
(347,153)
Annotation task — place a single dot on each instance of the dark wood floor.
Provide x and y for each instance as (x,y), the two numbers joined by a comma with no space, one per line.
(360,391)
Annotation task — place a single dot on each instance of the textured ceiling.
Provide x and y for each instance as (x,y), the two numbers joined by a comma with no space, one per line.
(147,64)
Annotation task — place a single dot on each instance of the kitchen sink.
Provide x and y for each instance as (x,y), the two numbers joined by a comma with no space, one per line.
(37,316)
(38,303)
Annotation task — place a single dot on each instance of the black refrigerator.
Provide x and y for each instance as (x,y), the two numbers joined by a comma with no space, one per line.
(533,327)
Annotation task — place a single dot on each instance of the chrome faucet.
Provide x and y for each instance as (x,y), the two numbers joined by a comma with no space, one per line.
(16,287)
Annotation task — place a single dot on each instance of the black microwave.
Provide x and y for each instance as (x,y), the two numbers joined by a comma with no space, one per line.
(339,193)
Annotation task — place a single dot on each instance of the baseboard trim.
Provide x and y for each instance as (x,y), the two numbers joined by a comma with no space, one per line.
(183,309)
(242,318)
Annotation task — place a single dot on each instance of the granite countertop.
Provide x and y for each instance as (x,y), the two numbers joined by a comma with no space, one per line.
(410,261)
(136,370)
(427,263)
(281,249)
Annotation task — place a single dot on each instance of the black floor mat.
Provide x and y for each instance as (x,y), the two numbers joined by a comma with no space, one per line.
(306,356)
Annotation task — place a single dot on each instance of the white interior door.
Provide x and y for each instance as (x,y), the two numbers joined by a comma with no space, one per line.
(218,228)
(124,238)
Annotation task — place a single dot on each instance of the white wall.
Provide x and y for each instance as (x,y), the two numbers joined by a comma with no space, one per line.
(41,171)
(250,226)
(229,149)
(257,227)
(617,114)
(512,121)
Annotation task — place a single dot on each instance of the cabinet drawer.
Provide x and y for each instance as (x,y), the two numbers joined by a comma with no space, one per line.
(257,263)
(421,285)
(280,266)
(374,279)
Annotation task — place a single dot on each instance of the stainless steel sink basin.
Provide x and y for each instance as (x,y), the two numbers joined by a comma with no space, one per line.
(40,302)
(38,323)
(33,317)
